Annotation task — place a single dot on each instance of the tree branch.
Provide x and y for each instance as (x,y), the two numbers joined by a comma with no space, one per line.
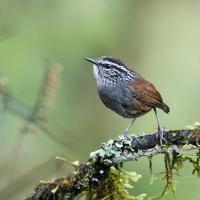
(93,176)
(129,148)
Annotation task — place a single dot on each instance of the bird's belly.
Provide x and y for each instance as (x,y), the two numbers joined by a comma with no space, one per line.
(119,99)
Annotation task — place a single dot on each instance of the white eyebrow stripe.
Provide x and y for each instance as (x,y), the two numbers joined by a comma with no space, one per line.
(113,64)
(109,63)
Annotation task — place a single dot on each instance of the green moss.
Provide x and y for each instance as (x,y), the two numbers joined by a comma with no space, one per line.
(119,182)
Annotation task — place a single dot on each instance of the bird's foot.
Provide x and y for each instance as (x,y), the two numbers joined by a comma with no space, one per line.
(160,134)
(125,133)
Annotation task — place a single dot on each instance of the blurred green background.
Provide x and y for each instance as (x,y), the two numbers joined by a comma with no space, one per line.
(159,39)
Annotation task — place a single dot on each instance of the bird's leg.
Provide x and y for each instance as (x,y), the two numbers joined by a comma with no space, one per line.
(129,126)
(160,129)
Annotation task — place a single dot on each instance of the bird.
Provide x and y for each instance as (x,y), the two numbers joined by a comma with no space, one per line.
(125,91)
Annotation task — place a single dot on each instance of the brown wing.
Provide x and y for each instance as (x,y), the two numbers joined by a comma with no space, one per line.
(145,92)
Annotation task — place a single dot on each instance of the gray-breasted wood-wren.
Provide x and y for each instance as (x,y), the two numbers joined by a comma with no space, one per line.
(125,91)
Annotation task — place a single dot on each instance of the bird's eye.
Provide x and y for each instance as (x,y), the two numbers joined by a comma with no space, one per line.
(107,66)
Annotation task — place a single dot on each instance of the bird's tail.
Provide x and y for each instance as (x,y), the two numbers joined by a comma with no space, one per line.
(165,108)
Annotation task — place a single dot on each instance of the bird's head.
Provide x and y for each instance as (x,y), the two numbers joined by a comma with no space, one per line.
(110,69)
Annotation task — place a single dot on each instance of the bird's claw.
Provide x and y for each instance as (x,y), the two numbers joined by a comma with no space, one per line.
(125,134)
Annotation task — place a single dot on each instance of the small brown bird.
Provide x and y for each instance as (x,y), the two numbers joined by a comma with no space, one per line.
(125,91)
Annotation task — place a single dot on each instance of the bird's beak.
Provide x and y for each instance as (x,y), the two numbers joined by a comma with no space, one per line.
(91,60)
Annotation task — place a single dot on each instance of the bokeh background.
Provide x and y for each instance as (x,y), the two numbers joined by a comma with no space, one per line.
(159,39)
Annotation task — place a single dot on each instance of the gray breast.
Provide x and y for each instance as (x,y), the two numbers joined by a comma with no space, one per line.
(118,98)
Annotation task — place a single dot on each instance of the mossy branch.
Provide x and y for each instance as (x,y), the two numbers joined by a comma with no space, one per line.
(132,147)
(95,176)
